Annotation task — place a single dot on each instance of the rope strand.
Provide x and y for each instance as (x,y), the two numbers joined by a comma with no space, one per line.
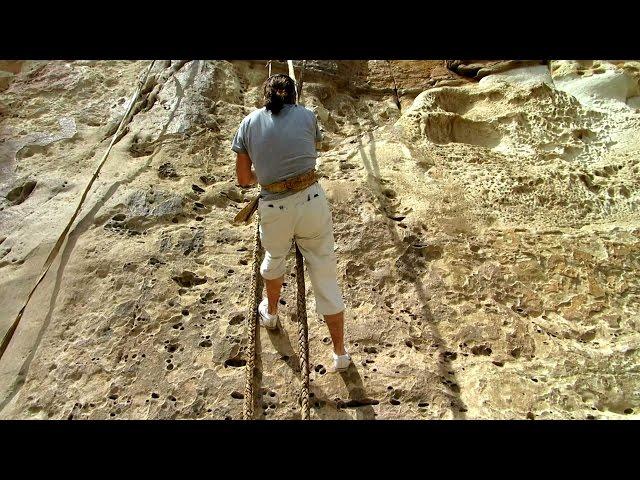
(303,336)
(256,290)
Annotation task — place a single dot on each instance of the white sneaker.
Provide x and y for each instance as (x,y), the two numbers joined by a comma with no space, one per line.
(266,319)
(341,363)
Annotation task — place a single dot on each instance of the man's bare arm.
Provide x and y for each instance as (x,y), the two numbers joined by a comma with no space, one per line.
(246,176)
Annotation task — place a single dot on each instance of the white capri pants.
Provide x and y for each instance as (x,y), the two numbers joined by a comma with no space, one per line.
(305,216)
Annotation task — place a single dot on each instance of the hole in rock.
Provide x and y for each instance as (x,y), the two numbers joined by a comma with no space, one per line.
(19,194)
(235,362)
(481,350)
(442,128)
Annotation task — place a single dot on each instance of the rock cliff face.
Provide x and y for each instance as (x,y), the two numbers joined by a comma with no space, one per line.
(486,223)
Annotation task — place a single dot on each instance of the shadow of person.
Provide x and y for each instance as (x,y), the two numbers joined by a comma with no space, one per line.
(357,394)
(280,340)
(319,400)
(413,274)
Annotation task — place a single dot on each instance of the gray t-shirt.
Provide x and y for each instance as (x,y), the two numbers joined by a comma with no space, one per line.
(280,146)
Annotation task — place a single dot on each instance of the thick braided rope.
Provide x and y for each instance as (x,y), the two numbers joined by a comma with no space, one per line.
(303,336)
(303,329)
(256,290)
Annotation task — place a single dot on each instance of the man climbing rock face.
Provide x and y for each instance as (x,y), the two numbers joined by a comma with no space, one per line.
(279,140)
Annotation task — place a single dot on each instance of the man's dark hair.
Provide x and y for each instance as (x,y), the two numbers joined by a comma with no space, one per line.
(279,90)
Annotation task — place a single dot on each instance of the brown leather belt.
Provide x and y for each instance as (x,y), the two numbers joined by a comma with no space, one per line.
(293,184)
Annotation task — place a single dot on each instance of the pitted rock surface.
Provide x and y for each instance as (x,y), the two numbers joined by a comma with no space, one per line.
(486,223)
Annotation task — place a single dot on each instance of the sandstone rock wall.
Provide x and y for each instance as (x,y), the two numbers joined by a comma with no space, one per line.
(486,223)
